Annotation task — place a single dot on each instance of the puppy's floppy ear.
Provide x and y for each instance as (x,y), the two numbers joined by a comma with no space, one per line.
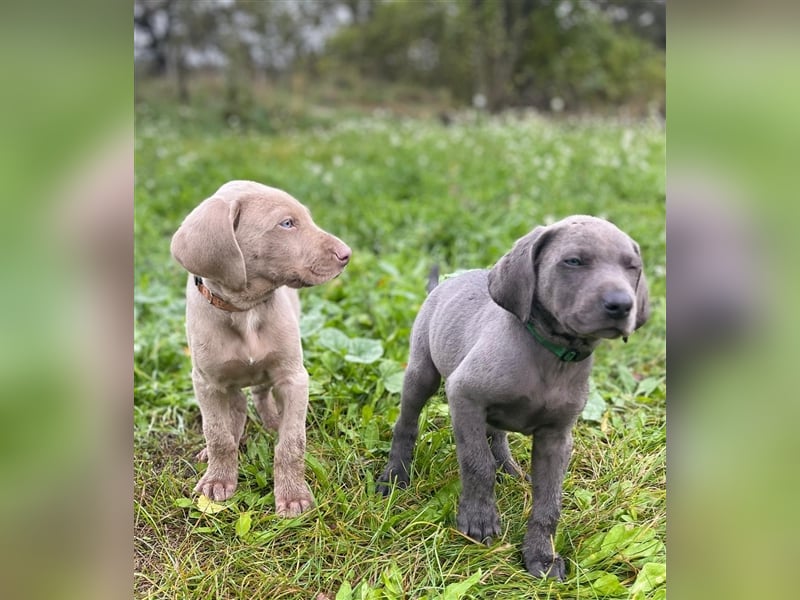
(511,280)
(205,243)
(642,296)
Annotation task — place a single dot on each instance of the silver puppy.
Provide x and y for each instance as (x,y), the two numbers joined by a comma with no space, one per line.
(244,248)
(514,346)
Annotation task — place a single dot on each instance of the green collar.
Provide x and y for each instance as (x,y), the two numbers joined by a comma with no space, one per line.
(561,352)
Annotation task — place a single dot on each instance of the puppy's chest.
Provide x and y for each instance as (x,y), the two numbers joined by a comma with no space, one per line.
(256,346)
(247,354)
(524,413)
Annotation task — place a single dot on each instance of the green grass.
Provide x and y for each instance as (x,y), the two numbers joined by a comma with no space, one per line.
(403,194)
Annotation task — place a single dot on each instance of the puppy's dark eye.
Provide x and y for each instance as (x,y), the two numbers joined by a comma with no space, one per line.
(633,264)
(287,223)
(573,261)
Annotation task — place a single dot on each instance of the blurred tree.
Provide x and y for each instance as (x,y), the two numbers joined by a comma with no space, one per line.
(165,31)
(581,60)
(361,11)
(405,42)
(551,54)
(502,30)
(152,35)
(563,55)
(645,18)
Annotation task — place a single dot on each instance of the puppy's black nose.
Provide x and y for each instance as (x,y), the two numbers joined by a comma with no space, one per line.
(617,304)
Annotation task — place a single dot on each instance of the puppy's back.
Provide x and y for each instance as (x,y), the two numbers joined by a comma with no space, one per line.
(451,319)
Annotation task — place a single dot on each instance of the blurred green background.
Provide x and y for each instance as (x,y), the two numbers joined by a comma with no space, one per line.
(67,76)
(269,65)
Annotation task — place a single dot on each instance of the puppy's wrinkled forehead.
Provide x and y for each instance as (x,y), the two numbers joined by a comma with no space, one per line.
(262,206)
(593,234)
(251,191)
(588,228)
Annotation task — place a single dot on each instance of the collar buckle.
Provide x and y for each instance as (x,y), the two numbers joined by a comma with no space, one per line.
(213,300)
(569,355)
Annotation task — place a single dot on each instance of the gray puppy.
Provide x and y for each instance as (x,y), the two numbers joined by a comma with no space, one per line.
(514,346)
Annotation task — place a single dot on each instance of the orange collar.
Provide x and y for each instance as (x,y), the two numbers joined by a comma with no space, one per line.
(215,300)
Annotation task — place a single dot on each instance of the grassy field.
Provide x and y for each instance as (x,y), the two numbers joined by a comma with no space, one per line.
(403,194)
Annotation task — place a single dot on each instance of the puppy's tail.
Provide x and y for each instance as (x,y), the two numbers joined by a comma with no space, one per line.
(433,278)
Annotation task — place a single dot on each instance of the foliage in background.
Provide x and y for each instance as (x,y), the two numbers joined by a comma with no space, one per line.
(592,55)
(403,193)
(507,53)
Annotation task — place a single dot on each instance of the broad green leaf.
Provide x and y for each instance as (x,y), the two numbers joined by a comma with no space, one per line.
(358,350)
(363,350)
(391,373)
(394,382)
(455,591)
(647,386)
(619,536)
(243,524)
(616,541)
(204,529)
(627,379)
(183,502)
(315,388)
(652,576)
(583,498)
(206,506)
(592,544)
(608,585)
(311,323)
(392,583)
(370,435)
(367,413)
(345,592)
(595,405)
(364,591)
(333,340)
(645,548)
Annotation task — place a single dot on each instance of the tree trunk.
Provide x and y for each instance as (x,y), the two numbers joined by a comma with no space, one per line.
(182,77)
(501,26)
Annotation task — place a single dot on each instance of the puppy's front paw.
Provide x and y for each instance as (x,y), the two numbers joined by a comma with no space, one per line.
(551,567)
(392,476)
(216,487)
(202,456)
(292,504)
(482,524)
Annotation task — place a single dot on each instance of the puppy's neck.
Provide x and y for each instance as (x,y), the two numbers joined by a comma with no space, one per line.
(546,326)
(256,293)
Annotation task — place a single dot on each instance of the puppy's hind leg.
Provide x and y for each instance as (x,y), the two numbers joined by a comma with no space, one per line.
(420,382)
(266,407)
(498,443)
